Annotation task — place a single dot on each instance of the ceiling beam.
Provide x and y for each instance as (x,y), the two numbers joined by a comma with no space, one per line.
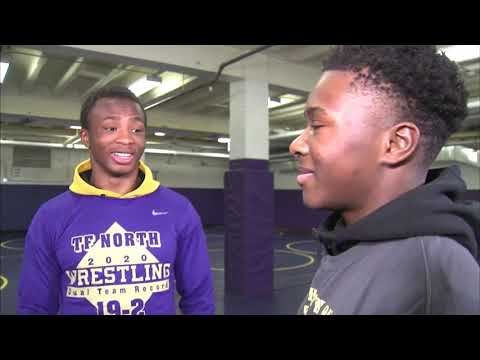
(112,75)
(307,52)
(36,65)
(69,75)
(68,109)
(195,60)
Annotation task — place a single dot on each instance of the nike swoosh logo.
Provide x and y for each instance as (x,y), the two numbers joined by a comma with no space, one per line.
(156,213)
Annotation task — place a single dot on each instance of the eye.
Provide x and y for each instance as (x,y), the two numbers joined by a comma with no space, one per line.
(137,130)
(315,126)
(110,129)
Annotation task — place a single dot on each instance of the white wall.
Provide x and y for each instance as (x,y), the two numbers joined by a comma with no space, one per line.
(285,181)
(285,175)
(470,174)
(172,171)
(63,162)
(183,172)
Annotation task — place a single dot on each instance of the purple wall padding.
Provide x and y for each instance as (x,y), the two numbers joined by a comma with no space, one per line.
(18,204)
(207,202)
(292,214)
(249,228)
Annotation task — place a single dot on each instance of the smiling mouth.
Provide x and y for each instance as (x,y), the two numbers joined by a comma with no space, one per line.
(122,158)
(303,175)
(303,170)
(122,154)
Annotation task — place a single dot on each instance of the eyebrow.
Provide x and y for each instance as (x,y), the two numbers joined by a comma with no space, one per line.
(114,117)
(312,110)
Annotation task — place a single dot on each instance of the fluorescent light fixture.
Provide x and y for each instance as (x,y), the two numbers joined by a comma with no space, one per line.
(81,146)
(154,104)
(459,153)
(75,146)
(223,140)
(33,67)
(282,100)
(75,127)
(31,143)
(159,133)
(473,104)
(143,85)
(187,153)
(4,179)
(170,82)
(287,134)
(41,144)
(274,102)
(471,154)
(3,70)
(459,53)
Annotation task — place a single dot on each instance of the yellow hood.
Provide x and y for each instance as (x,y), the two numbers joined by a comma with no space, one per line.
(80,186)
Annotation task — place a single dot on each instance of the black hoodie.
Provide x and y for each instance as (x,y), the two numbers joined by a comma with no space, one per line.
(414,255)
(431,209)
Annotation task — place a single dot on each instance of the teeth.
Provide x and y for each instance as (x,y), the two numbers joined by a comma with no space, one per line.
(122,154)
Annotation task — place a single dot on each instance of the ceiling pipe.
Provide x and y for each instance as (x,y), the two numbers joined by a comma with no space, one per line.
(217,76)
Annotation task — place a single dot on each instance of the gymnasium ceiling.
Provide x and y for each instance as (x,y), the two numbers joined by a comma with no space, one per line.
(44,86)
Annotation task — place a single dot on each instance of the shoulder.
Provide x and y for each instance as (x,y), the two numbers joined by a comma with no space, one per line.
(58,205)
(400,260)
(178,205)
(455,277)
(433,253)
(445,252)
(395,252)
(432,249)
(175,200)
(450,262)
(51,217)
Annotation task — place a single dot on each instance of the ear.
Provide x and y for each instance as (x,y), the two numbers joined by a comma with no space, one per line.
(85,138)
(400,143)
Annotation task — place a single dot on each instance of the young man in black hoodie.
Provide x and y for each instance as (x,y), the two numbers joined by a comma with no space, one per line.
(399,241)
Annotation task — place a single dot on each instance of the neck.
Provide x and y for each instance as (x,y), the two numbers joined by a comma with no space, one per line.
(120,185)
(390,188)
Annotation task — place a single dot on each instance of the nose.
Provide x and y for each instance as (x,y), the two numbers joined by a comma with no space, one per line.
(124,136)
(299,146)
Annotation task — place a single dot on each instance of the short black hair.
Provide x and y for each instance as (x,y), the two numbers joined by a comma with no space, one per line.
(116,92)
(425,86)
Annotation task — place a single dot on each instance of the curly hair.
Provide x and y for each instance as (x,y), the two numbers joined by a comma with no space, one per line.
(424,86)
(116,92)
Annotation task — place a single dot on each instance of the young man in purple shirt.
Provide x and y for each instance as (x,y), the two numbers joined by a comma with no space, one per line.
(117,242)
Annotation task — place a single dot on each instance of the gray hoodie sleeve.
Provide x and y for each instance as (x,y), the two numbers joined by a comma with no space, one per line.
(453,278)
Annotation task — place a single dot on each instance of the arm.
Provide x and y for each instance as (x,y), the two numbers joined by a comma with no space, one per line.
(192,269)
(39,282)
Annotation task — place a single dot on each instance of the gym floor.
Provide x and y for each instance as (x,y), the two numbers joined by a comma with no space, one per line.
(295,259)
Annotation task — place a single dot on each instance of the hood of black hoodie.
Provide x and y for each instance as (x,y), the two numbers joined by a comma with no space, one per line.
(431,209)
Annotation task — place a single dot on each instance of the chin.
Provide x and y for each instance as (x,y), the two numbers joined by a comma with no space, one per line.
(122,171)
(311,203)
(319,200)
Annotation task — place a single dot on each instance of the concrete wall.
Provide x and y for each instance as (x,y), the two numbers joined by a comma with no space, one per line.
(172,171)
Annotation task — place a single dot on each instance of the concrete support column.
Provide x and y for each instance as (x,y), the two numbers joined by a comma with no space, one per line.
(249,207)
